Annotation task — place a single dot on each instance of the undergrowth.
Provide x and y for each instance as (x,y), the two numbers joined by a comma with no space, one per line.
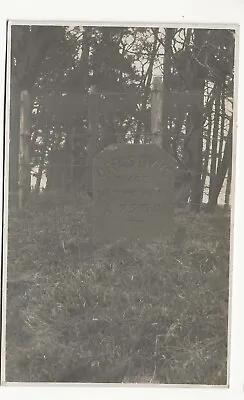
(154,312)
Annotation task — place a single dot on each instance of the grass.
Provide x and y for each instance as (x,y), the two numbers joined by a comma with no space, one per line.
(134,314)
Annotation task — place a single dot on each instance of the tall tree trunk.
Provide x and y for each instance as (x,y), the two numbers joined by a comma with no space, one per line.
(146,89)
(207,152)
(156,112)
(196,153)
(25,140)
(14,141)
(228,187)
(212,202)
(183,176)
(196,80)
(72,158)
(222,128)
(225,164)
(41,164)
(92,147)
(169,34)
(39,175)
(84,62)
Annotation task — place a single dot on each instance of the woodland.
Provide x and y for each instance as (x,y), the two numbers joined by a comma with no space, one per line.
(91,86)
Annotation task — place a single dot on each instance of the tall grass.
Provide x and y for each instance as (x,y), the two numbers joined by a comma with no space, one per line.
(154,312)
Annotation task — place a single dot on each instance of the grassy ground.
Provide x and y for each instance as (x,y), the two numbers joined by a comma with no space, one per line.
(145,313)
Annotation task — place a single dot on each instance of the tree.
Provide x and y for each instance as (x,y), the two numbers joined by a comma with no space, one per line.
(29,47)
(200,67)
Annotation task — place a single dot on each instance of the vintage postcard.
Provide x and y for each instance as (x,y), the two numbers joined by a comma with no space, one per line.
(120,157)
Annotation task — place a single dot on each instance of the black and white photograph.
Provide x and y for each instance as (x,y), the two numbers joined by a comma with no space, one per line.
(120,156)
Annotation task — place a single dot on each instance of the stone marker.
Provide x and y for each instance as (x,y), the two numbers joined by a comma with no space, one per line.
(133,186)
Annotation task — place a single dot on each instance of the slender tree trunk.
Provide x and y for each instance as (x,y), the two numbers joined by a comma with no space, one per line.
(212,202)
(156,112)
(41,164)
(50,171)
(39,175)
(85,56)
(225,164)
(66,161)
(169,34)
(222,128)
(183,176)
(14,140)
(207,152)
(72,158)
(92,147)
(147,86)
(228,187)
(24,160)
(196,152)
(86,179)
